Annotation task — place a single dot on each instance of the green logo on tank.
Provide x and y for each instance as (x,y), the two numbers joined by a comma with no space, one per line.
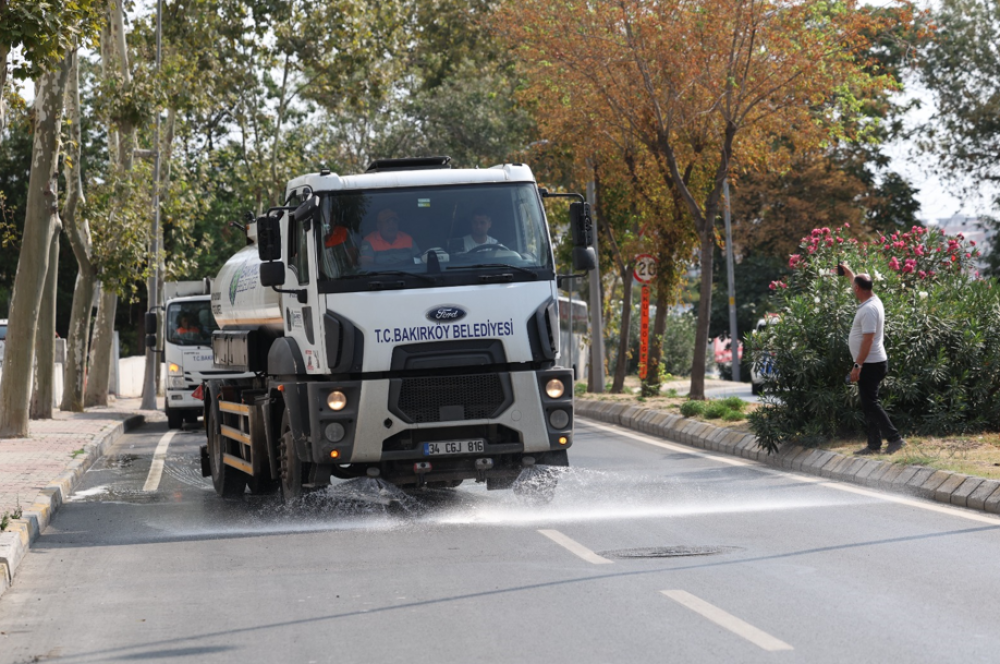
(234,284)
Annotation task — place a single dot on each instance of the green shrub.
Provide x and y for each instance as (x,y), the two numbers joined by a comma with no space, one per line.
(735,403)
(733,416)
(692,408)
(580,389)
(677,348)
(715,409)
(942,334)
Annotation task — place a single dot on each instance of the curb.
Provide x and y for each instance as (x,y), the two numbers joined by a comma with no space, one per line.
(919,481)
(17,539)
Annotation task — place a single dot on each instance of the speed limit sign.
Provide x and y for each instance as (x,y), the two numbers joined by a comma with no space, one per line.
(645,268)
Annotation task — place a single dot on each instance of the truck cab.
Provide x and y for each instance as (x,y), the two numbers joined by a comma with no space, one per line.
(187,348)
(401,323)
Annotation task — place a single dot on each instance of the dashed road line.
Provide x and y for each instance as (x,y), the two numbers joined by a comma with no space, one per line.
(575,547)
(156,468)
(728,621)
(805,479)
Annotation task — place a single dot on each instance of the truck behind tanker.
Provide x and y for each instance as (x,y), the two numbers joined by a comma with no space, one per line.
(382,333)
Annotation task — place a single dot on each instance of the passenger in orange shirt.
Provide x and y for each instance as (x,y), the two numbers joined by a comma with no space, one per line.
(186,328)
(388,244)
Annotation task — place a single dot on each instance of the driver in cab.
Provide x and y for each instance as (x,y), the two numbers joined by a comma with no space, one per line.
(388,244)
(480,227)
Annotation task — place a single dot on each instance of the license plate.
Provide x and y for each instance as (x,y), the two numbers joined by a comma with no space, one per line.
(455,447)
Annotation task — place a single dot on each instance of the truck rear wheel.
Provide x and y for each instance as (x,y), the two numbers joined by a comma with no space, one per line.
(228,482)
(291,467)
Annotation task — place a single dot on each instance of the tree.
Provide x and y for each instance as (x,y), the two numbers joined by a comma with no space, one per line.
(699,84)
(43,35)
(961,66)
(41,222)
(78,232)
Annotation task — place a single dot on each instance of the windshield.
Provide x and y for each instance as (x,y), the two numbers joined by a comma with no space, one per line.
(3,332)
(190,323)
(455,233)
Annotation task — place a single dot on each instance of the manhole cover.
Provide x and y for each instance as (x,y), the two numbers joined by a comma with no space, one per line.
(669,551)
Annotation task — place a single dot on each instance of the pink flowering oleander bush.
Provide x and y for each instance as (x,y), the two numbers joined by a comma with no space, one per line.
(942,334)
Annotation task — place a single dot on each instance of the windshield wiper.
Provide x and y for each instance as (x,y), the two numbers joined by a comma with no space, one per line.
(387,273)
(503,265)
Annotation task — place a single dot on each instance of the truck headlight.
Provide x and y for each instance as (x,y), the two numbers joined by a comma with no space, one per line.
(174,369)
(337,400)
(176,382)
(554,388)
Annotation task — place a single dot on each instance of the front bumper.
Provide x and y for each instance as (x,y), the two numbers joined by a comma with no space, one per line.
(374,429)
(182,400)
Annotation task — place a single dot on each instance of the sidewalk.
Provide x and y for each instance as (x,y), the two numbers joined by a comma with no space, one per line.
(39,472)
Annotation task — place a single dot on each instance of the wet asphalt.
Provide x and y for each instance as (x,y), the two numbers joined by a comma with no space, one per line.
(649,552)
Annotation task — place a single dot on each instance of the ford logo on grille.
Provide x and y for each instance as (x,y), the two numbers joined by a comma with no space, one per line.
(445,314)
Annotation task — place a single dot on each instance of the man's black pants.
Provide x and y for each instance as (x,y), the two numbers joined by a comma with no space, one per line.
(878,423)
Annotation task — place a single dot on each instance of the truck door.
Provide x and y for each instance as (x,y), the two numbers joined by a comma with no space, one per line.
(302,319)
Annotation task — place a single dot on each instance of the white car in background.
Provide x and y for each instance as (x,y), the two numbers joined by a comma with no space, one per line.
(767,365)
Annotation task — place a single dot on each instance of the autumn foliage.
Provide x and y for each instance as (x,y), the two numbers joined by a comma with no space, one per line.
(695,86)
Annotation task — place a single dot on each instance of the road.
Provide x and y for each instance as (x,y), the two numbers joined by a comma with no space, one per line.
(791,569)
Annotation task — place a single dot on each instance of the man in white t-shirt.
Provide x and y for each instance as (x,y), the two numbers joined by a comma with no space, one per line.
(871,363)
(480,226)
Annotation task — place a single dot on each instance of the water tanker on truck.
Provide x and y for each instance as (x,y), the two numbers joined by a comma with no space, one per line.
(400,323)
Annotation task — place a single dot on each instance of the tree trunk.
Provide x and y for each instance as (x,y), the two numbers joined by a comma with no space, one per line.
(78,233)
(4,52)
(114,60)
(41,218)
(704,314)
(45,342)
(621,362)
(99,376)
(651,387)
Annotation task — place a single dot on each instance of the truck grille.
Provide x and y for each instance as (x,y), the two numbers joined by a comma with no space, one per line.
(451,398)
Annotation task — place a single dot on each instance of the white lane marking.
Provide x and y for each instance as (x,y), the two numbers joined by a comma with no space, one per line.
(156,468)
(805,479)
(575,547)
(728,621)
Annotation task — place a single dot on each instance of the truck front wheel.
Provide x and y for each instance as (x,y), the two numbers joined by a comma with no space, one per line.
(291,467)
(175,419)
(228,482)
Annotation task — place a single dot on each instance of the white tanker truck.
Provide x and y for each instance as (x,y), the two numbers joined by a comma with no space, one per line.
(401,323)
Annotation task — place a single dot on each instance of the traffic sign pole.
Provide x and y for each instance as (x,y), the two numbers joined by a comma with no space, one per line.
(645,272)
(644,334)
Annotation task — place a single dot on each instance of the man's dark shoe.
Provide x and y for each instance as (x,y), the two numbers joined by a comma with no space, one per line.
(867,451)
(895,447)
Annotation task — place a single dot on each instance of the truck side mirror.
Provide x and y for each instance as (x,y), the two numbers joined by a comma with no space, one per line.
(150,323)
(272,274)
(584,256)
(269,239)
(580,224)
(584,259)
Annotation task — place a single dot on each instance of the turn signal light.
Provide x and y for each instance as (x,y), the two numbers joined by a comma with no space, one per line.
(335,454)
(174,368)
(563,440)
